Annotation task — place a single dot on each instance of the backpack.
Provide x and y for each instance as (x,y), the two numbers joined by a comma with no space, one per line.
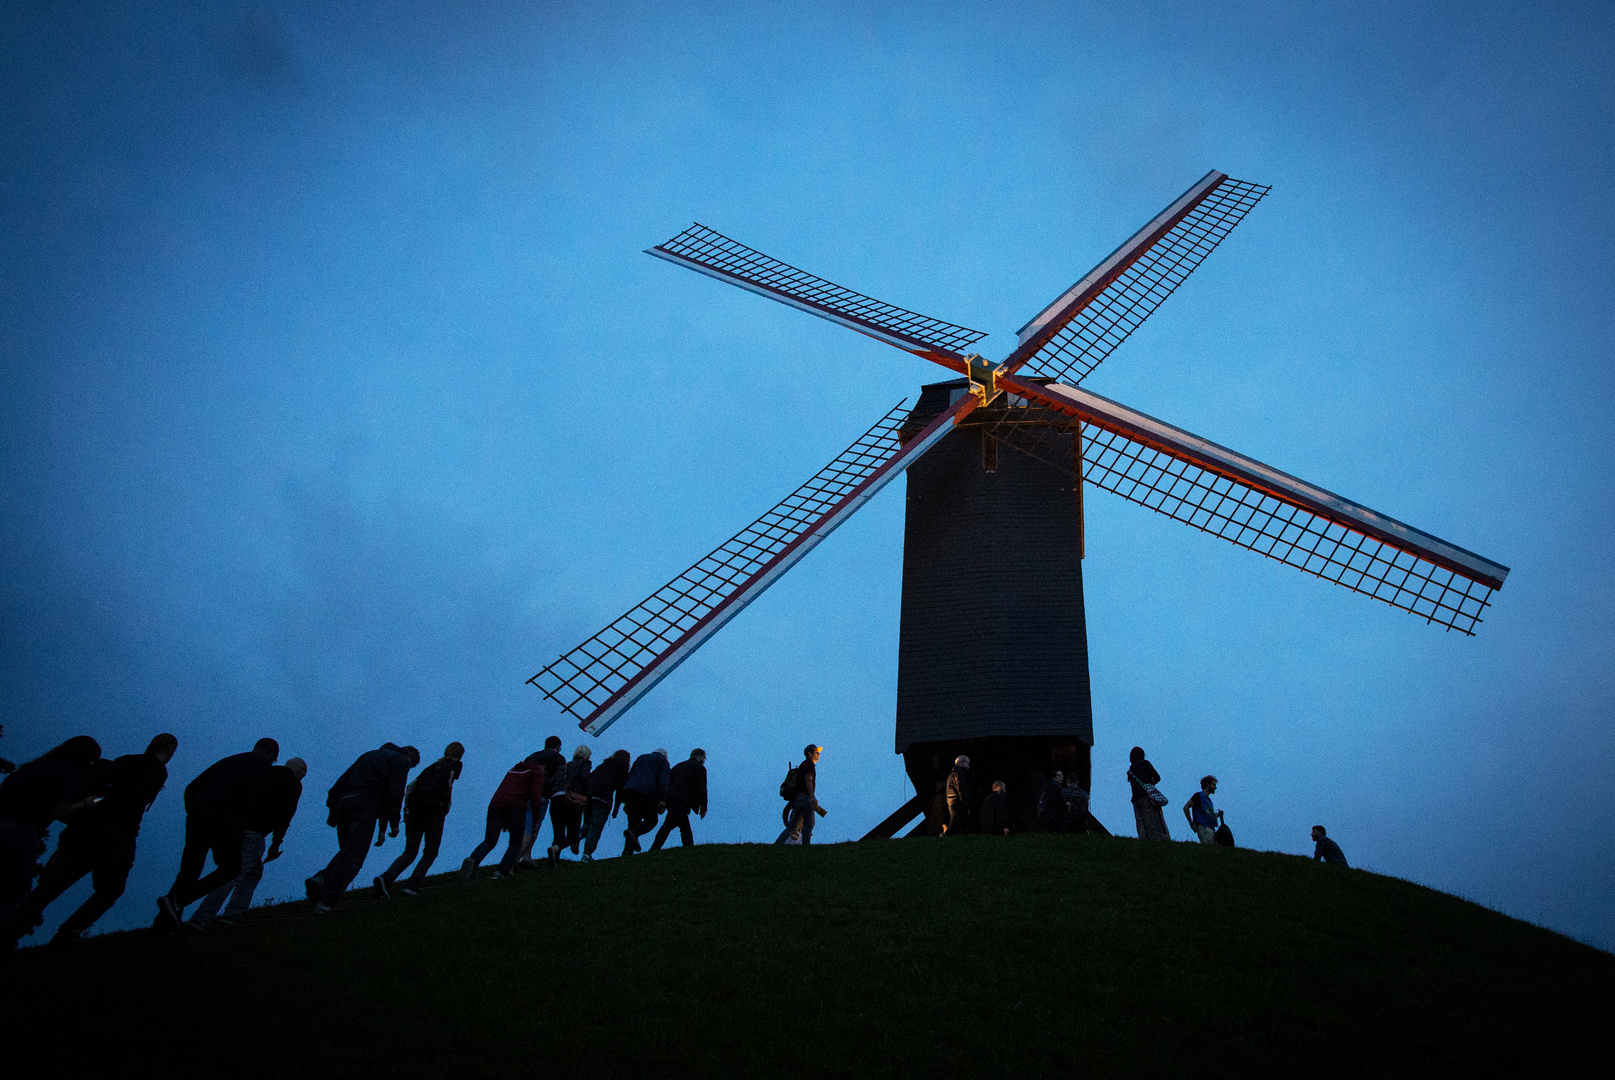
(789,787)
(430,791)
(1223,836)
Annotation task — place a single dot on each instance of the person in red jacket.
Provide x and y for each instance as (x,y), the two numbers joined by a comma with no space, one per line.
(523,786)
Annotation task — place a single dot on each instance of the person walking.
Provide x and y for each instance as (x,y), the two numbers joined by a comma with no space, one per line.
(427,799)
(566,809)
(605,798)
(1147,798)
(364,800)
(806,803)
(554,765)
(960,797)
(1326,851)
(46,789)
(1200,814)
(215,808)
(1051,805)
(268,815)
(686,791)
(995,811)
(644,796)
(522,787)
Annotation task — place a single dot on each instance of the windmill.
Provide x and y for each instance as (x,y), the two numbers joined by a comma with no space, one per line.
(993,544)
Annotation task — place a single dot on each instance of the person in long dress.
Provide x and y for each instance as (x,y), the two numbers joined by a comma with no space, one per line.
(1146,811)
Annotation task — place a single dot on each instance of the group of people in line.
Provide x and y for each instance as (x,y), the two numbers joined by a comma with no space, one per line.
(238,809)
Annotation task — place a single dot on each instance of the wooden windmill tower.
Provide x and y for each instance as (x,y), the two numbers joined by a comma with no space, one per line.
(1011,523)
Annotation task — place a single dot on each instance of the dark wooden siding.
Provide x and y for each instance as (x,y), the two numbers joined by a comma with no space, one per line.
(993,639)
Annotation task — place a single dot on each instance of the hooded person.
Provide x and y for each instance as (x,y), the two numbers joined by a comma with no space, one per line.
(364,800)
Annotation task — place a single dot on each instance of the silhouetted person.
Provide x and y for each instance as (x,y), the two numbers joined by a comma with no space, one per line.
(269,814)
(554,763)
(215,811)
(1076,807)
(522,787)
(1147,799)
(1199,812)
(46,789)
(806,804)
(995,811)
(686,791)
(566,809)
(644,796)
(427,799)
(1327,851)
(1051,805)
(960,797)
(366,798)
(605,798)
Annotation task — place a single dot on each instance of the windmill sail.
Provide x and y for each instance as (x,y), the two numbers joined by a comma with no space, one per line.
(711,253)
(1070,337)
(1253,505)
(598,680)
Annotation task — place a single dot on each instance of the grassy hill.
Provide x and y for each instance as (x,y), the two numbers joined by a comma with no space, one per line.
(1029,956)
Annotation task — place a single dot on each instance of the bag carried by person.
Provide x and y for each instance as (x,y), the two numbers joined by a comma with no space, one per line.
(789,787)
(1151,792)
(1223,836)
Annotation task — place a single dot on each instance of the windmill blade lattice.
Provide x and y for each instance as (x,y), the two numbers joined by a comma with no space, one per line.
(1135,288)
(602,677)
(714,254)
(1250,504)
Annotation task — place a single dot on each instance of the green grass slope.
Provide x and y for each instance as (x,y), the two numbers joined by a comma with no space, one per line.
(976,956)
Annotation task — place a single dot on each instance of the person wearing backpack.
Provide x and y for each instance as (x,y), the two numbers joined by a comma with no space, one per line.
(1147,798)
(1203,818)
(427,799)
(805,804)
(566,810)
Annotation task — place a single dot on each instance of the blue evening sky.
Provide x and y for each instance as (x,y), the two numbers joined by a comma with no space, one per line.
(339,397)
